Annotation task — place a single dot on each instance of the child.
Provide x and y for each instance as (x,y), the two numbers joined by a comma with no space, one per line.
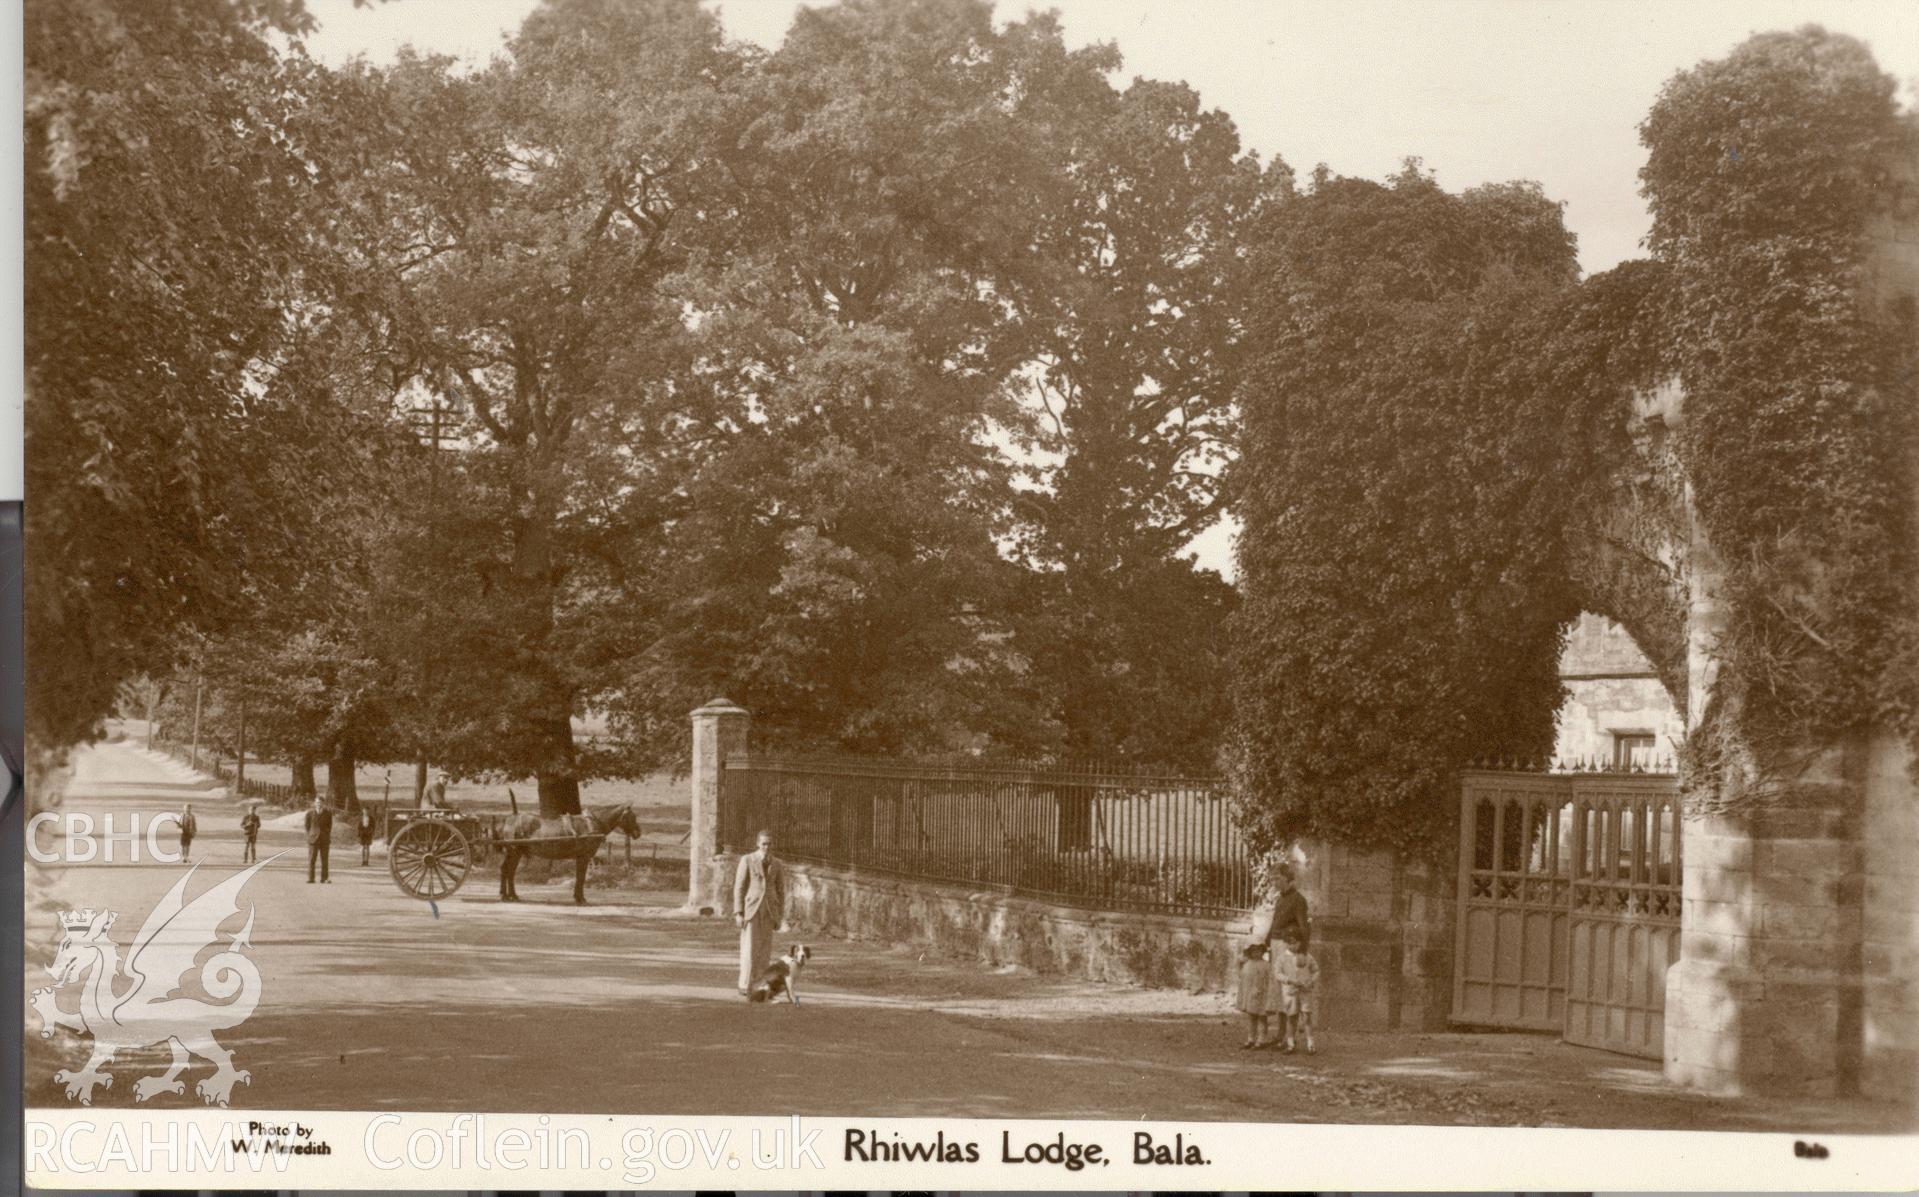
(1299,997)
(1283,996)
(1255,993)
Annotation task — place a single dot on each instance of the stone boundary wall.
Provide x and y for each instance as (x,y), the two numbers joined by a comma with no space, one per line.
(1154,950)
(1384,944)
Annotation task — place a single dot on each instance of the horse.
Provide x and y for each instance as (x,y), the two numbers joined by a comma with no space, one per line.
(564,833)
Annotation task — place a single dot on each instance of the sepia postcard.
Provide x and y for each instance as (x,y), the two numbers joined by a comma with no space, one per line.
(948,594)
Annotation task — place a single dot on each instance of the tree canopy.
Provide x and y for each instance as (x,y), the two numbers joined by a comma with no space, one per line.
(738,347)
(168,442)
(881,381)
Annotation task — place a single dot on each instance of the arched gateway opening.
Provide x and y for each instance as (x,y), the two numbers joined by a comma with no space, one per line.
(1617,714)
(1452,448)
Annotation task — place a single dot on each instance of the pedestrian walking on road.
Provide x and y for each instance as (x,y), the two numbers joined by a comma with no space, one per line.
(319,823)
(188,826)
(366,836)
(759,905)
(250,827)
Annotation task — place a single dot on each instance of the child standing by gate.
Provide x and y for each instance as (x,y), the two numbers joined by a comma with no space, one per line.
(1298,977)
(1255,993)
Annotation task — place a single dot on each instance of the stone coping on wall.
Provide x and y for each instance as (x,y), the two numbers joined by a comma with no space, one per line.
(1158,950)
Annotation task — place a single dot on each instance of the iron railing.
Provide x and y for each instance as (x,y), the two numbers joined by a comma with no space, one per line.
(1093,835)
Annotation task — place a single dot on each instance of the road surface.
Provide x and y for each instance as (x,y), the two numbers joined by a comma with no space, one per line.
(373,1001)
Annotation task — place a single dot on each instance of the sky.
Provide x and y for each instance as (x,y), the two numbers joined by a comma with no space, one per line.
(1481,90)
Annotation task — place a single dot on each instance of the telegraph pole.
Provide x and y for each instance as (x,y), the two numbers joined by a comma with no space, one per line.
(435,421)
(199,687)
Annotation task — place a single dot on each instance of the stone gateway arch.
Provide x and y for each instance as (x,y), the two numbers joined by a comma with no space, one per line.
(1799,953)
(1452,448)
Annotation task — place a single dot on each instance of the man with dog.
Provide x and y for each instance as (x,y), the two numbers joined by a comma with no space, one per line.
(759,904)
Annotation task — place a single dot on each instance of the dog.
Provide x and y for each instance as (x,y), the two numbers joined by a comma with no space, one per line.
(779,976)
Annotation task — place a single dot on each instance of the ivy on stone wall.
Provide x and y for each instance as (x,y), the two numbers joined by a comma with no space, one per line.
(1441,465)
(1411,459)
(1767,173)
(1607,343)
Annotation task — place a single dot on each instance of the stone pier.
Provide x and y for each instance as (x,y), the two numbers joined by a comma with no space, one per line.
(1800,939)
(1799,950)
(719,731)
(1383,930)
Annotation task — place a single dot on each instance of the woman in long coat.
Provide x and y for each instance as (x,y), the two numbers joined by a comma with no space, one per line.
(1289,913)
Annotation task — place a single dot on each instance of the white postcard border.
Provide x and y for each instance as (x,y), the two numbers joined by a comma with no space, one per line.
(215,1149)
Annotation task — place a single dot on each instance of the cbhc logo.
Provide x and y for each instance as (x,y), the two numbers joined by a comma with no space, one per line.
(74,840)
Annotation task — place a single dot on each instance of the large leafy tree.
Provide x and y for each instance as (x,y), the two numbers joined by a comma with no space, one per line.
(304,676)
(1137,333)
(1137,343)
(536,207)
(297,673)
(838,567)
(167,261)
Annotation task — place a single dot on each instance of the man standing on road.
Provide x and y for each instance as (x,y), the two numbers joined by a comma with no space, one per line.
(365,829)
(759,904)
(188,826)
(250,827)
(319,839)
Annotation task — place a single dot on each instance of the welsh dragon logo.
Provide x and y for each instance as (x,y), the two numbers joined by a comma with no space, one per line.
(148,1008)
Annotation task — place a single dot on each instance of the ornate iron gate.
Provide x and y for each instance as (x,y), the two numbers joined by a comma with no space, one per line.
(1569,904)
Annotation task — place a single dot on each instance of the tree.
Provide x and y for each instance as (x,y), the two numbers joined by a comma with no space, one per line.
(299,662)
(1133,665)
(1137,334)
(164,251)
(1138,329)
(536,208)
(837,565)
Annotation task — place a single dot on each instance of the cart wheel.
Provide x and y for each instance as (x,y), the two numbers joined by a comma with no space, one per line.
(429,859)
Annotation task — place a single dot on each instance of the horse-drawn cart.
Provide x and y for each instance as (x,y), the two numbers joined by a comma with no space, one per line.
(430,850)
